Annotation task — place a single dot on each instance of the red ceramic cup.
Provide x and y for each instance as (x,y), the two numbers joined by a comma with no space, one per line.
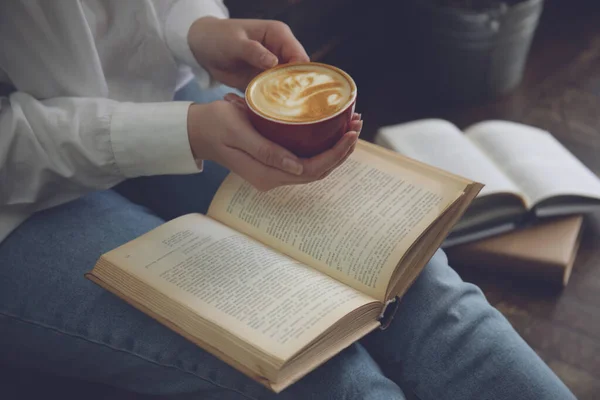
(306,138)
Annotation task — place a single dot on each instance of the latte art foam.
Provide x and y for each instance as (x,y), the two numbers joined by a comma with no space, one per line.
(301,93)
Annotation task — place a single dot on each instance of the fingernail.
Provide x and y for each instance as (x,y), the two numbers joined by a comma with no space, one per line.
(292,166)
(239,105)
(268,60)
(353,137)
(359,116)
(299,59)
(360,126)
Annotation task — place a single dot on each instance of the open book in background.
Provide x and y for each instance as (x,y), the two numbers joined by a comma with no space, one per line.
(527,173)
(545,251)
(276,283)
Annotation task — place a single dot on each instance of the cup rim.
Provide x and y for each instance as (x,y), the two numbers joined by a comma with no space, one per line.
(323,65)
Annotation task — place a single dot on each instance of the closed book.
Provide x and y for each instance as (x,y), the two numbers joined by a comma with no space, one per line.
(544,251)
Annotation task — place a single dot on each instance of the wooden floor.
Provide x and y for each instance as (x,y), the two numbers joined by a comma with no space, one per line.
(560,93)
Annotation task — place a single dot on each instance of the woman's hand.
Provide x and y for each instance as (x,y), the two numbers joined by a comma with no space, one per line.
(235,50)
(221,132)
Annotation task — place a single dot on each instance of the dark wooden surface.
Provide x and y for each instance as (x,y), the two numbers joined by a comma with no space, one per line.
(561,93)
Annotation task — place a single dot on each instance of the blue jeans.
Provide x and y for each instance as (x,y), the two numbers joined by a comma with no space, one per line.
(446,341)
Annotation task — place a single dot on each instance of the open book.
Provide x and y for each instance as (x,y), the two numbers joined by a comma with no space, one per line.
(527,173)
(276,283)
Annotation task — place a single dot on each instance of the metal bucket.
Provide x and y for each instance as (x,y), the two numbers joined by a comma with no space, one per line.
(470,56)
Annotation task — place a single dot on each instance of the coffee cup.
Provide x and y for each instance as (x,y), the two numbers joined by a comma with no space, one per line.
(304,107)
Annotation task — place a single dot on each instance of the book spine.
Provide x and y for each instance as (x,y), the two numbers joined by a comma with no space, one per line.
(388,313)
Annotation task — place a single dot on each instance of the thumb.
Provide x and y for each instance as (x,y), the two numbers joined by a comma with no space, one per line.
(236,100)
(257,55)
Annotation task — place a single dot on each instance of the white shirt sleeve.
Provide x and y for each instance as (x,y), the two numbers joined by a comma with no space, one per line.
(179,18)
(55,150)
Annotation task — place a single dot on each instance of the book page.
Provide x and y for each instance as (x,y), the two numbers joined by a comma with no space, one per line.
(263,297)
(538,164)
(440,143)
(354,225)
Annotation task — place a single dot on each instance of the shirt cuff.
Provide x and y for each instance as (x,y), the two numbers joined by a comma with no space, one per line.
(152,139)
(179,19)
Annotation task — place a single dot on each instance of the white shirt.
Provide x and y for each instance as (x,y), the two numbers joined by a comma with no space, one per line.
(94,81)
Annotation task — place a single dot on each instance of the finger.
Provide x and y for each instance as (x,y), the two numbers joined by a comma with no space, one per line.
(259,175)
(257,55)
(356,117)
(238,105)
(281,41)
(343,160)
(316,166)
(235,99)
(248,140)
(356,126)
